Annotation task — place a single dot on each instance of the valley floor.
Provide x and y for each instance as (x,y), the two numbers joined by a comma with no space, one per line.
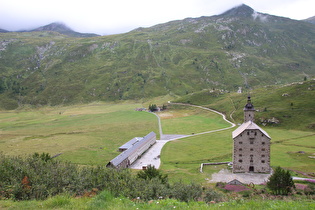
(152,156)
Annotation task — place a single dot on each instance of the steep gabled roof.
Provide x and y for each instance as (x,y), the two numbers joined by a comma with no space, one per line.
(250,125)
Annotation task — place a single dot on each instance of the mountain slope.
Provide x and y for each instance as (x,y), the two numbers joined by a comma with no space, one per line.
(3,31)
(57,27)
(290,106)
(63,29)
(310,20)
(240,48)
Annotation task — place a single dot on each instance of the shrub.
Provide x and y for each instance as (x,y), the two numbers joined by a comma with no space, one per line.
(150,173)
(148,189)
(153,107)
(37,177)
(310,189)
(213,195)
(44,156)
(280,182)
(185,192)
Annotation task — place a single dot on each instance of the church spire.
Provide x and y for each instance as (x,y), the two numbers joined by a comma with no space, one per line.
(249,111)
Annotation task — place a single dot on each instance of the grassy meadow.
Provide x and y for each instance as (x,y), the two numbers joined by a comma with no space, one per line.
(83,134)
(182,158)
(90,135)
(106,200)
(178,119)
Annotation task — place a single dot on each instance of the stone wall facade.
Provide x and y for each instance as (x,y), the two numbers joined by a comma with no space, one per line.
(251,152)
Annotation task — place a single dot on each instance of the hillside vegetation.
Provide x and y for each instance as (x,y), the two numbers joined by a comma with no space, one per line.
(290,106)
(240,48)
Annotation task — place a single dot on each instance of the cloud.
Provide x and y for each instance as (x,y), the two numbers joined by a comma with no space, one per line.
(117,16)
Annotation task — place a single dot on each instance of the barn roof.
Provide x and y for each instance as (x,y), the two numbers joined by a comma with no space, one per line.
(125,154)
(130,143)
(122,156)
(249,125)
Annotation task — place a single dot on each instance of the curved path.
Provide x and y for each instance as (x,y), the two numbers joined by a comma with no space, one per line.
(152,156)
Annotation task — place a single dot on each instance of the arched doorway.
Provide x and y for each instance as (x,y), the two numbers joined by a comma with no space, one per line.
(251,168)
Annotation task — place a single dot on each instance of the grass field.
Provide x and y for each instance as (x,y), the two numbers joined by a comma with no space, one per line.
(105,200)
(90,135)
(87,134)
(182,158)
(187,120)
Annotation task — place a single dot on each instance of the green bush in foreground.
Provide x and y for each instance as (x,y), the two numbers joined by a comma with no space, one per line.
(40,177)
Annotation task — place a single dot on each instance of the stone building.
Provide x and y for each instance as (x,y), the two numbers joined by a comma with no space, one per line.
(251,150)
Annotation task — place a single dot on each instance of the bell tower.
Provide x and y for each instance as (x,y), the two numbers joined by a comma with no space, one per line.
(249,111)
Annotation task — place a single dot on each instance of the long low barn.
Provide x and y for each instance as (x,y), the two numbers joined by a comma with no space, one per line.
(132,150)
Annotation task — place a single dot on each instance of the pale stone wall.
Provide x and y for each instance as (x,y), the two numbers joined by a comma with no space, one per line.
(251,152)
(249,115)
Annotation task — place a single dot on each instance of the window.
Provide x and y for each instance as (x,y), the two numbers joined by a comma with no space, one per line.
(263,143)
(251,149)
(240,161)
(240,142)
(262,155)
(240,155)
(247,132)
(251,141)
(255,133)
(263,149)
(251,161)
(240,149)
(262,161)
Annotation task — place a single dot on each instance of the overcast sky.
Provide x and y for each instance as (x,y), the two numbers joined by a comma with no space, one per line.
(119,16)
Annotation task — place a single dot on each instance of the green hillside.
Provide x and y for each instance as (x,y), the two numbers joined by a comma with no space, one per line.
(289,106)
(240,48)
